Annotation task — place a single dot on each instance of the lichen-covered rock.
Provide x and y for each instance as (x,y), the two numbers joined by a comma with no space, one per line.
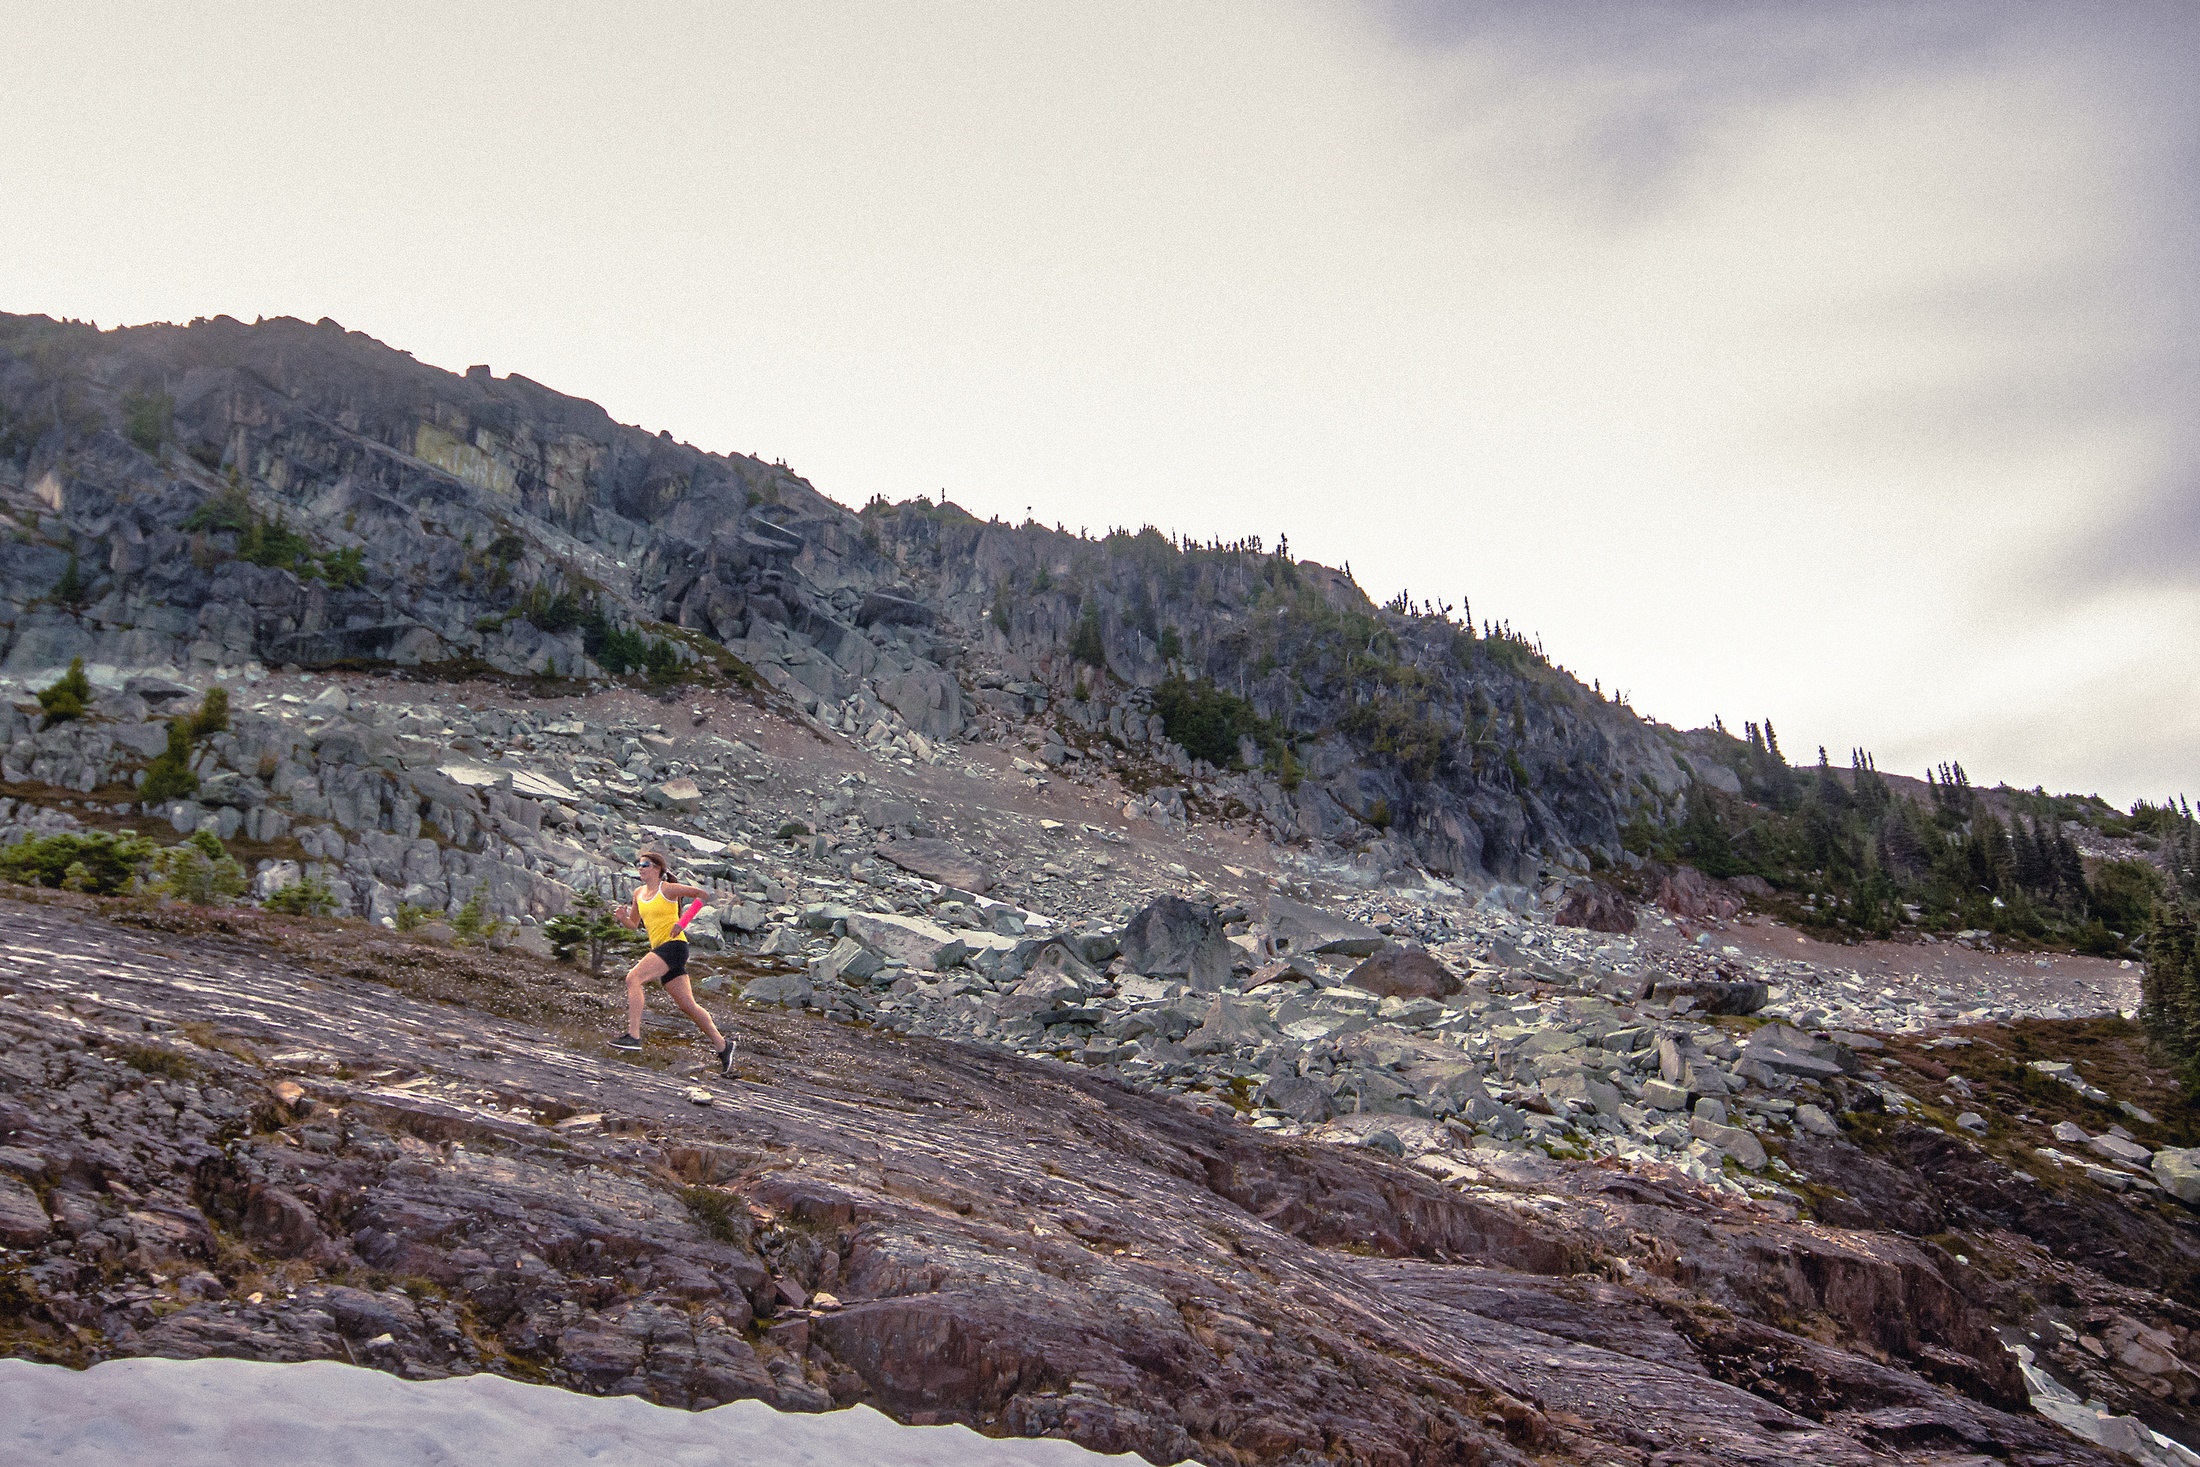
(2177,1172)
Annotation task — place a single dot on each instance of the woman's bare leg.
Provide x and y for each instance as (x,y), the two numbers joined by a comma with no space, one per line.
(638,979)
(683,994)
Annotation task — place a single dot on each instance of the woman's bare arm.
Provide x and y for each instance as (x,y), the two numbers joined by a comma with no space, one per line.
(626,916)
(679,892)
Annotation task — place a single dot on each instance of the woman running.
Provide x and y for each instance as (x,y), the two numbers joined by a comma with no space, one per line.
(656,907)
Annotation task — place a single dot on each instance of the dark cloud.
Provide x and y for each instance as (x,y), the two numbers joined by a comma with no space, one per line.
(2153,542)
(1656,81)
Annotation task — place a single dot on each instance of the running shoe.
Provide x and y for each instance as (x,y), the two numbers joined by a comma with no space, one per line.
(725,1058)
(628,1043)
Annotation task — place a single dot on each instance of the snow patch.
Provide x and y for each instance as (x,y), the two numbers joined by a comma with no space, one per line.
(250,1413)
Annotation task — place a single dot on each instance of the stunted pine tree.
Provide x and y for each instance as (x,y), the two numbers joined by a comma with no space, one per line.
(2169,990)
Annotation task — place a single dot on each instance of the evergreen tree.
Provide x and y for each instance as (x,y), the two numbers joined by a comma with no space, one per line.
(2069,868)
(2033,873)
(1903,848)
(2169,989)
(1830,791)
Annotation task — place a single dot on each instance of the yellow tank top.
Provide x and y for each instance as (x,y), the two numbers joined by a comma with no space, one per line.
(660,914)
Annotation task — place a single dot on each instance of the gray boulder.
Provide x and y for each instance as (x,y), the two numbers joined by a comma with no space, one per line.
(1232,1024)
(1056,965)
(1711,996)
(1366,1091)
(1810,1118)
(1404,972)
(783,942)
(936,860)
(1303,1100)
(1597,907)
(910,940)
(23,1220)
(1582,1090)
(790,989)
(1295,929)
(849,961)
(1732,1140)
(1174,938)
(2116,1148)
(1785,1050)
(2177,1172)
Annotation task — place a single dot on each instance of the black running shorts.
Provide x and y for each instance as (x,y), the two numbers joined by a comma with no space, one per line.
(675,954)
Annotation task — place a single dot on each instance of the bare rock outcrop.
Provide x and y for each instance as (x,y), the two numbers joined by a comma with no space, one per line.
(944,1232)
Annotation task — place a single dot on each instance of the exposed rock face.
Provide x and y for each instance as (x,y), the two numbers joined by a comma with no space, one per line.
(1026,1248)
(430,519)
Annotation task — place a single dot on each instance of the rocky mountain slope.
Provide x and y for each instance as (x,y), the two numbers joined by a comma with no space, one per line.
(219,495)
(227,1135)
(1173,1011)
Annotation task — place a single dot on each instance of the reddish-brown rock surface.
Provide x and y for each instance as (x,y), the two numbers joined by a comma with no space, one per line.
(299,1141)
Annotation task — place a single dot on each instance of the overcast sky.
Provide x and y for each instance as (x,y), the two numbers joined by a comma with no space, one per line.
(1832,363)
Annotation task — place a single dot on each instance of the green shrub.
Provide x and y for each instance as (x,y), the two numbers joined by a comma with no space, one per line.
(2124,893)
(1172,645)
(553,614)
(169,776)
(95,862)
(213,715)
(589,934)
(714,1211)
(662,661)
(1400,728)
(273,543)
(229,510)
(68,696)
(1207,722)
(147,1060)
(71,589)
(309,897)
(145,419)
(410,917)
(473,922)
(619,650)
(1086,644)
(344,569)
(2095,940)
(198,871)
